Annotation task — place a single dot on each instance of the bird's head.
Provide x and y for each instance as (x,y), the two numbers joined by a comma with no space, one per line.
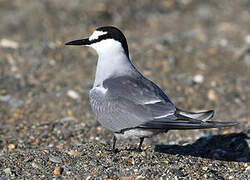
(106,39)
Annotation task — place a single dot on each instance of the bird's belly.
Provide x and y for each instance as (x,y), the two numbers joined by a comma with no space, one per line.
(137,133)
(97,101)
(101,108)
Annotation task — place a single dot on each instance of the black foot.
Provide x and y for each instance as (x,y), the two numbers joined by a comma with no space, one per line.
(141,141)
(115,150)
(138,150)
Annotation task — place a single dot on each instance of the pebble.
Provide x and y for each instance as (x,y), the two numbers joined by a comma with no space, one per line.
(15,102)
(73,94)
(58,170)
(247,39)
(223,42)
(204,168)
(5,98)
(139,177)
(212,95)
(55,159)
(59,146)
(69,118)
(204,12)
(35,165)
(11,147)
(198,78)
(11,100)
(88,177)
(248,169)
(28,159)
(74,153)
(6,43)
(7,171)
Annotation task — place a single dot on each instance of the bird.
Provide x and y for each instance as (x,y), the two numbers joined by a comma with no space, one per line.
(127,103)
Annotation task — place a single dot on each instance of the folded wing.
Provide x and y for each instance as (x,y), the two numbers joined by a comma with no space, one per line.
(137,102)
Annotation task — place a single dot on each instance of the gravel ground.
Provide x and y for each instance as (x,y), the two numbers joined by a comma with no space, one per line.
(197,51)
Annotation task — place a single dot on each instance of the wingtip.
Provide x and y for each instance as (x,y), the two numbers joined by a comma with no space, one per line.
(211,112)
(235,123)
(202,116)
(226,124)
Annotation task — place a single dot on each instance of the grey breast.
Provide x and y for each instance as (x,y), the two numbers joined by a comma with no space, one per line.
(129,102)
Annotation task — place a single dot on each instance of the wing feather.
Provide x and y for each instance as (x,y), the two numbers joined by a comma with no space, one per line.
(129,102)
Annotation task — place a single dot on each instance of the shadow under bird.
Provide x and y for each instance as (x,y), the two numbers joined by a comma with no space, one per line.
(126,102)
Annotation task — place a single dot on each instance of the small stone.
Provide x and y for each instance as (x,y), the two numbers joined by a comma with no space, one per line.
(127,178)
(74,153)
(139,177)
(212,51)
(67,119)
(147,73)
(204,12)
(11,100)
(99,129)
(223,42)
(51,145)
(204,168)
(58,170)
(143,154)
(88,177)
(165,161)
(212,95)
(247,39)
(15,102)
(85,165)
(28,159)
(130,160)
(248,169)
(93,171)
(35,165)
(6,43)
(7,171)
(244,120)
(105,177)
(98,155)
(198,78)
(73,94)
(5,98)
(55,159)
(11,147)
(226,132)
(59,146)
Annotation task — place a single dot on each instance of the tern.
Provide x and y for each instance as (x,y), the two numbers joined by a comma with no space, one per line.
(126,102)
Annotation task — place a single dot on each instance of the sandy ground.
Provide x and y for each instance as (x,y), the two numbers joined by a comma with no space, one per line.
(197,52)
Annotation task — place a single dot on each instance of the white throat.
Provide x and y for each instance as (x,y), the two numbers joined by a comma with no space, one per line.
(112,60)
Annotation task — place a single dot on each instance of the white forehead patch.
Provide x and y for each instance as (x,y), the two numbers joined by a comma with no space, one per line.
(96,35)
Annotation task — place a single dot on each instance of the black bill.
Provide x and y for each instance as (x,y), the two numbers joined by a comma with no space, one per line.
(80,42)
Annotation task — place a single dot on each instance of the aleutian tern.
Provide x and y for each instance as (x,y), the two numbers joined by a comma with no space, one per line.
(126,102)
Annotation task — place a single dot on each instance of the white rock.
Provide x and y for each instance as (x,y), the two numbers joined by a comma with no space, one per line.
(198,78)
(5,98)
(223,42)
(6,43)
(73,94)
(7,171)
(212,95)
(247,39)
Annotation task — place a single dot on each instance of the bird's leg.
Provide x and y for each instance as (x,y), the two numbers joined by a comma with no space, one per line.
(114,141)
(141,141)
